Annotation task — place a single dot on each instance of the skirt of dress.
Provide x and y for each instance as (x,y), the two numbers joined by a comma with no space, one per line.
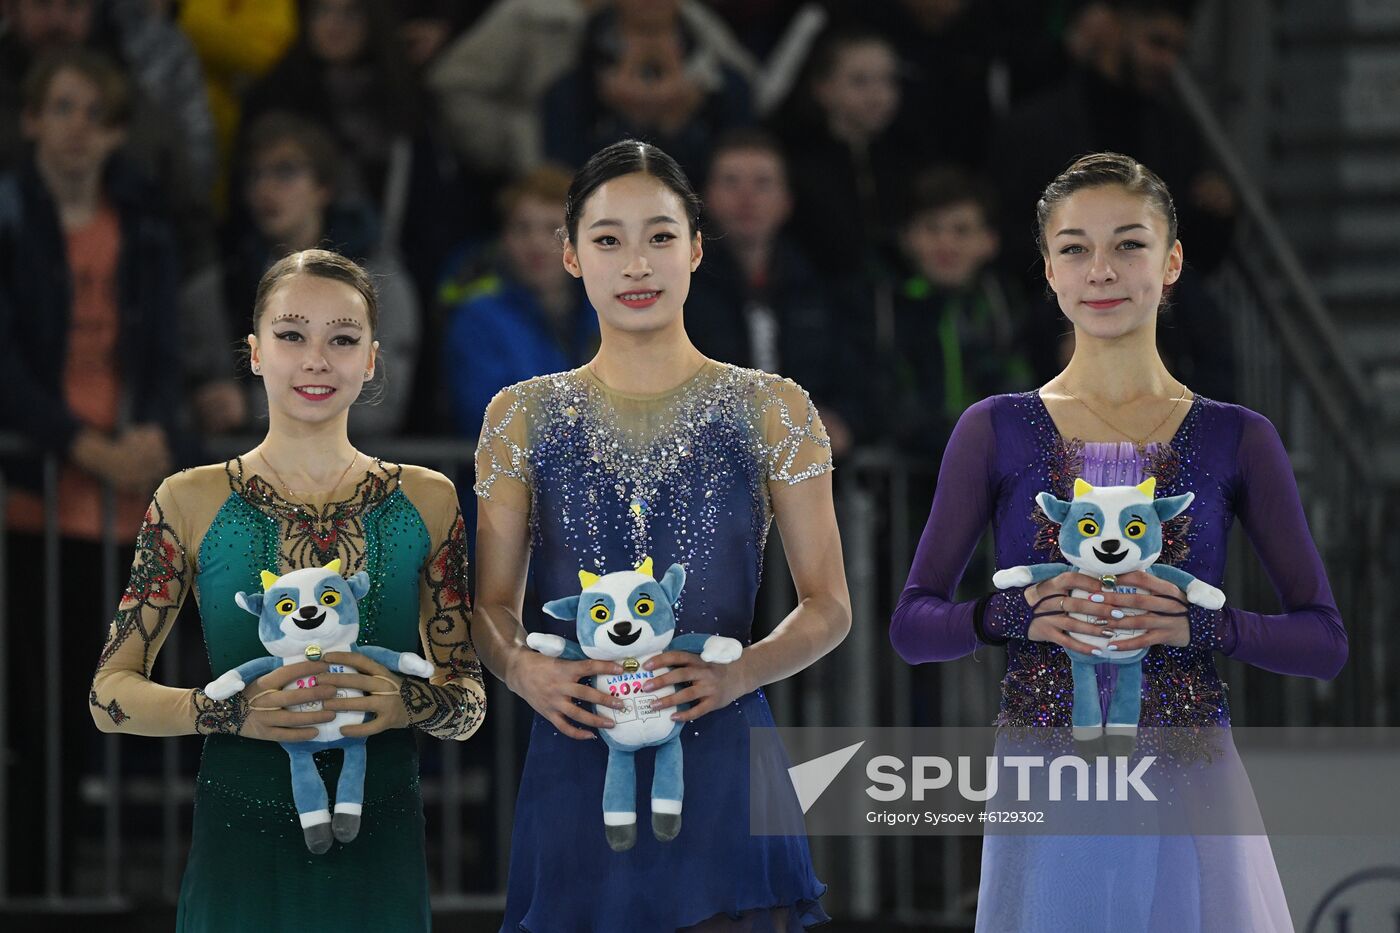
(565,879)
(249,868)
(1202,874)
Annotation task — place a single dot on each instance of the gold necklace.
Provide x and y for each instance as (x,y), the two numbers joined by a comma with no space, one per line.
(291,494)
(1136,441)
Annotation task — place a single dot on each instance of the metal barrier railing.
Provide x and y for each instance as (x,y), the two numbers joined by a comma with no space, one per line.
(1295,370)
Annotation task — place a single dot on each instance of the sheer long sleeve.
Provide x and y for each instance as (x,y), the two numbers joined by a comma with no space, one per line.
(452,703)
(1307,638)
(928,625)
(123,698)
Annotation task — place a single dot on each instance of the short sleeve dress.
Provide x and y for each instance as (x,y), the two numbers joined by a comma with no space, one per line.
(609,479)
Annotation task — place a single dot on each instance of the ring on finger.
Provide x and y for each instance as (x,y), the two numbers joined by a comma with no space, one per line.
(1062,605)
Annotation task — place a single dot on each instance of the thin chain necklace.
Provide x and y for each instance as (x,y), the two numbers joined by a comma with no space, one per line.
(291,494)
(1137,442)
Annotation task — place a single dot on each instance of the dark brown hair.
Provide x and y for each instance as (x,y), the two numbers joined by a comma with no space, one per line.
(322,264)
(310,137)
(545,183)
(1099,170)
(112,84)
(944,186)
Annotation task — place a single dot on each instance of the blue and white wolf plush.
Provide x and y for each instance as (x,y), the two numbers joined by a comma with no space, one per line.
(303,615)
(630,617)
(1104,532)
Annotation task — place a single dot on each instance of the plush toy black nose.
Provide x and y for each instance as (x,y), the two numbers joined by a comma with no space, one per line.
(308,612)
(623,628)
(1111,546)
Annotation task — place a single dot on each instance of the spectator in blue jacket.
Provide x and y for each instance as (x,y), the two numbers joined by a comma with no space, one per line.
(515,313)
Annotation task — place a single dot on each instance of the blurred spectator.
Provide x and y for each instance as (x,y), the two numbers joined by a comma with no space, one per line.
(87,299)
(348,72)
(645,72)
(491,82)
(1035,43)
(848,170)
(168,136)
(958,329)
(428,26)
(520,314)
(1125,102)
(237,43)
(946,59)
(755,300)
(88,373)
(166,67)
(291,187)
(1121,102)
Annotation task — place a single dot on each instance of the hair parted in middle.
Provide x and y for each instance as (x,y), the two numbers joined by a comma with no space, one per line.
(321,264)
(628,157)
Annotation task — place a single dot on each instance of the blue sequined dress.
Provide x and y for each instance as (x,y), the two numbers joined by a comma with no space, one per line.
(682,476)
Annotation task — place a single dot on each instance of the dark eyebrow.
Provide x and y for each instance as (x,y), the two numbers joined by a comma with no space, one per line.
(290,317)
(658,219)
(1075,231)
(600,601)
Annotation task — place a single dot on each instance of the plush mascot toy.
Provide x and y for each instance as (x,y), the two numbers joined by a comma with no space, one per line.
(1105,532)
(630,617)
(301,616)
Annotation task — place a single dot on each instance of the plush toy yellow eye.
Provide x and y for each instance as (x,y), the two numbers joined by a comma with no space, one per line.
(599,614)
(644,607)
(1088,527)
(330,598)
(286,606)
(1135,529)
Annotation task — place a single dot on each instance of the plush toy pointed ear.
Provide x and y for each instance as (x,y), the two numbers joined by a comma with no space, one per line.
(250,602)
(586,579)
(1172,506)
(267,580)
(1148,487)
(645,568)
(1081,488)
(566,608)
(673,582)
(1055,509)
(333,566)
(359,584)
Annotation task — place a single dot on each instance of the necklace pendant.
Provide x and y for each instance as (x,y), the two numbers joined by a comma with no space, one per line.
(1110,581)
(313,652)
(631,665)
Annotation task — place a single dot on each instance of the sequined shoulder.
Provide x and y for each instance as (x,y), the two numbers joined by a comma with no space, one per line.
(502,453)
(795,442)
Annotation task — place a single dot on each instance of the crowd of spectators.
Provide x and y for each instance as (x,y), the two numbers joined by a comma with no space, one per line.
(870,172)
